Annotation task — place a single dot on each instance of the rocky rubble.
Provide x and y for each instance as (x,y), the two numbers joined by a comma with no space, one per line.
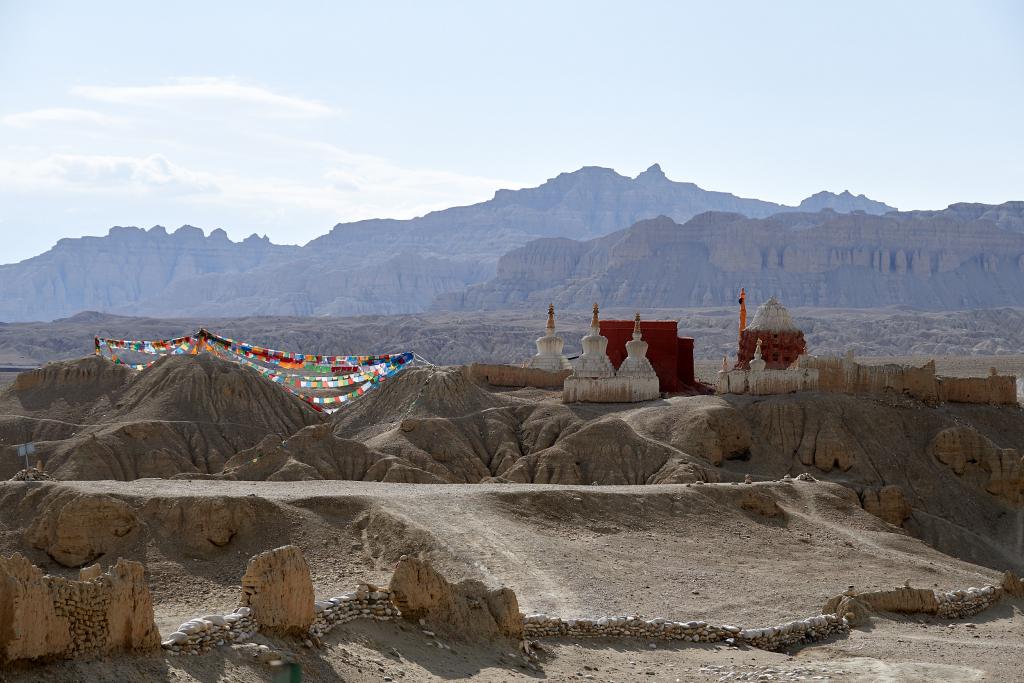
(31,474)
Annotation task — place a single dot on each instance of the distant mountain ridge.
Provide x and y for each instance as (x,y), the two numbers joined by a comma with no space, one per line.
(374,266)
(966,256)
(584,204)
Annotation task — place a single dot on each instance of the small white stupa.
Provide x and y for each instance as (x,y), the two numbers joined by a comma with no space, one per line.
(757,363)
(636,363)
(636,371)
(549,349)
(594,362)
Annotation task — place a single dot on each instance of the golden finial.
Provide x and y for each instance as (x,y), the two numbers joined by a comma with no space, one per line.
(594,321)
(551,316)
(636,323)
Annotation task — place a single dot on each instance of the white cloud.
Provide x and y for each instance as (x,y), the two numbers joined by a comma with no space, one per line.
(107,174)
(36,117)
(353,187)
(219,91)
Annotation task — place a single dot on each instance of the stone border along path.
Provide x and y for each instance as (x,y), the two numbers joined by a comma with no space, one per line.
(966,603)
(771,638)
(199,636)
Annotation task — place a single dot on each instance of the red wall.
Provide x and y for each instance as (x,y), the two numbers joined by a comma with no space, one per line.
(671,355)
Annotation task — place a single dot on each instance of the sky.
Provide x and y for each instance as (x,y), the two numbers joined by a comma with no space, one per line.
(286,118)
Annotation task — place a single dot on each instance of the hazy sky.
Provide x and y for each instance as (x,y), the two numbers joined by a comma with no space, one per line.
(286,118)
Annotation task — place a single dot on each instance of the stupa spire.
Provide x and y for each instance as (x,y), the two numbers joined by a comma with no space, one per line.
(594,361)
(636,364)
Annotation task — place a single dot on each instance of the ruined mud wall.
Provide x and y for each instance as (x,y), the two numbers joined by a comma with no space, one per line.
(515,376)
(993,390)
(48,617)
(845,375)
(610,389)
(767,382)
(955,604)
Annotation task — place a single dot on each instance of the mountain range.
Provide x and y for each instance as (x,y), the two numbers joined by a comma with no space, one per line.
(569,234)
(966,256)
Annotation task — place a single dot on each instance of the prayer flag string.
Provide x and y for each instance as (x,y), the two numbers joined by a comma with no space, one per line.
(334,372)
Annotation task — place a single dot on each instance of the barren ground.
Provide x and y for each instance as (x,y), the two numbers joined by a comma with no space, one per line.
(676,551)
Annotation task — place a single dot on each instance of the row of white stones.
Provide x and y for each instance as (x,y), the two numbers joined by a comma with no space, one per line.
(197,636)
(966,603)
(365,603)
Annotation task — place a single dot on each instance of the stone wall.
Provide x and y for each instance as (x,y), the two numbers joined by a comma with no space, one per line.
(366,602)
(277,598)
(515,376)
(838,615)
(49,617)
(200,635)
(769,638)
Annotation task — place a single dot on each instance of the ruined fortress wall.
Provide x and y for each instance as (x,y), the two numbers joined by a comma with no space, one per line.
(767,382)
(847,376)
(610,389)
(44,617)
(993,390)
(515,376)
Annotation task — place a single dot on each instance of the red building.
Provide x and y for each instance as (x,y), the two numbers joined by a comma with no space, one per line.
(781,342)
(670,355)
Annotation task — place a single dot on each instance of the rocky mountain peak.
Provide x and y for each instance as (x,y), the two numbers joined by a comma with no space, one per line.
(844,202)
(653,174)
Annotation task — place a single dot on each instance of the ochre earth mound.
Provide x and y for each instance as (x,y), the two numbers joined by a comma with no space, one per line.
(418,392)
(182,414)
(952,475)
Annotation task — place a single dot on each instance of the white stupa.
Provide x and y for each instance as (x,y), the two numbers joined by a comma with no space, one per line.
(636,364)
(757,364)
(594,363)
(549,349)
